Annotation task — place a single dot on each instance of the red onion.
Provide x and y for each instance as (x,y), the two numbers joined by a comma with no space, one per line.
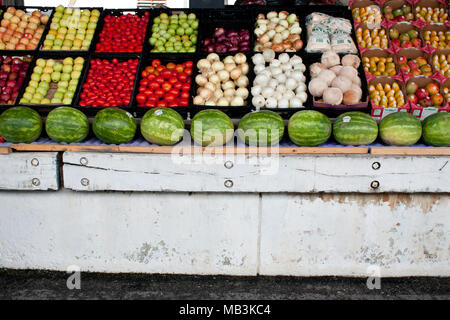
(227,41)
(218,32)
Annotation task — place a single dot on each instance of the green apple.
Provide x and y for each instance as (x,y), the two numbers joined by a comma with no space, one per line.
(72,31)
(56,76)
(47,69)
(56,101)
(79,37)
(68,10)
(24,100)
(58,42)
(58,67)
(63,84)
(67,101)
(86,12)
(40,62)
(35,100)
(192,16)
(45,101)
(84,19)
(77,67)
(89,37)
(73,82)
(28,95)
(46,77)
(66,76)
(37,95)
(82,25)
(67,43)
(58,95)
(41,91)
(79,60)
(33,84)
(67,68)
(75,74)
(70,37)
(37,70)
(68,61)
(50,63)
(72,88)
(36,77)
(95,13)
(69,94)
(44,84)
(30,89)
(59,8)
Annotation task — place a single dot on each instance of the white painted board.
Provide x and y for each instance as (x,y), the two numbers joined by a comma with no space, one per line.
(255,173)
(29,171)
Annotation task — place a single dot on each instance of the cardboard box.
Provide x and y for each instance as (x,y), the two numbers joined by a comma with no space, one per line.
(366,27)
(432,27)
(365,4)
(379,112)
(438,73)
(412,53)
(396,4)
(403,27)
(380,54)
(423,112)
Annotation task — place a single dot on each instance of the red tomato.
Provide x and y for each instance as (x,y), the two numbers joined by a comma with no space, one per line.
(166,86)
(171,66)
(183,76)
(153,85)
(179,68)
(170,97)
(189,64)
(186,87)
(161,104)
(183,102)
(173,80)
(156,63)
(141,98)
(184,95)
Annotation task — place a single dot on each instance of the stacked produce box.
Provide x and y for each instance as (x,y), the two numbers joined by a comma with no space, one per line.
(260,65)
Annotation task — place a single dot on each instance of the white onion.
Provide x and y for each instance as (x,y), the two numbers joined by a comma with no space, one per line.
(228,59)
(214,78)
(199,100)
(298,76)
(281,88)
(223,75)
(283,103)
(212,57)
(275,70)
(284,58)
(210,86)
(258,101)
(302,96)
(203,64)
(296,60)
(271,103)
(201,80)
(223,102)
(275,63)
(273,83)
(258,68)
(210,103)
(242,81)
(230,66)
(206,93)
(281,78)
(267,92)
(218,94)
(286,67)
(217,66)
(277,95)
(244,68)
(237,101)
(230,92)
(288,94)
(268,55)
(259,58)
(256,90)
(295,102)
(291,84)
(301,87)
(261,80)
(299,66)
(240,58)
(227,85)
(242,92)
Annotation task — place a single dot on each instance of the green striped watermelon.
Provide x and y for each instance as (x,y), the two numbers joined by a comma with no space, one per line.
(20,125)
(401,129)
(114,126)
(436,130)
(309,128)
(162,126)
(212,128)
(66,124)
(261,128)
(355,128)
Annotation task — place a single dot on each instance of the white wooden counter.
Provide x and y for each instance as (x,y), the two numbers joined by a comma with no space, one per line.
(237,214)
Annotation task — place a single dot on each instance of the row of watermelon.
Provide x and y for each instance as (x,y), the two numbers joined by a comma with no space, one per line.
(164,126)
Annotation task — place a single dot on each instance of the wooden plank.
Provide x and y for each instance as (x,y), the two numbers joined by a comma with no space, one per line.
(188,150)
(5,150)
(254,173)
(29,171)
(413,151)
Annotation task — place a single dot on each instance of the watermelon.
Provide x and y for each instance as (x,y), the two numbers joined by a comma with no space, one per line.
(401,129)
(114,126)
(436,130)
(162,126)
(262,128)
(20,125)
(65,124)
(212,128)
(309,128)
(355,128)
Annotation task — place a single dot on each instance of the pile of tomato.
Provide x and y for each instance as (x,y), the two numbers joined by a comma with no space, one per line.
(124,33)
(109,83)
(165,86)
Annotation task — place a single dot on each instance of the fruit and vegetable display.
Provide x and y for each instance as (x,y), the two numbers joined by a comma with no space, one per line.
(441,63)
(389,95)
(428,14)
(414,66)
(437,39)
(279,81)
(165,85)
(379,66)
(426,96)
(109,83)
(13,71)
(334,80)
(53,81)
(174,33)
(370,14)
(123,33)
(279,31)
(71,29)
(231,41)
(222,82)
(22,29)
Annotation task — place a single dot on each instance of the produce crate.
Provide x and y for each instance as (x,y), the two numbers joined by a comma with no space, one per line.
(412,53)
(165,59)
(53,87)
(432,27)
(380,53)
(92,109)
(72,52)
(230,19)
(156,12)
(24,79)
(46,10)
(117,13)
(422,112)
(379,112)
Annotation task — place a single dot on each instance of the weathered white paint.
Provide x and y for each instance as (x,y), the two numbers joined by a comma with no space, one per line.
(255,173)
(29,171)
(130,232)
(310,235)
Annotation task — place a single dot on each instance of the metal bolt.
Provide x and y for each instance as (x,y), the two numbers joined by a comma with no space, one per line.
(228,164)
(84,161)
(85,182)
(228,183)
(375,184)
(35,182)
(34,162)
(376,165)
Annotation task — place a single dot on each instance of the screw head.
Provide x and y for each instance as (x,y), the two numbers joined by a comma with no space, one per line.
(34,162)
(85,182)
(228,164)
(36,182)
(228,183)
(376,165)
(83,161)
(375,184)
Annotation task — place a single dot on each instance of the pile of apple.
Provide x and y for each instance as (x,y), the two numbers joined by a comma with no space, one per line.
(406,39)
(71,29)
(53,81)
(12,75)
(416,67)
(109,83)
(20,30)
(425,97)
(165,86)
(401,14)
(123,33)
(177,33)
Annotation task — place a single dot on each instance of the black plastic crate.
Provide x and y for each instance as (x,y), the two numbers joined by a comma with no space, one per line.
(71,52)
(156,12)
(49,107)
(117,13)
(230,19)
(46,10)
(165,59)
(23,84)
(232,111)
(90,109)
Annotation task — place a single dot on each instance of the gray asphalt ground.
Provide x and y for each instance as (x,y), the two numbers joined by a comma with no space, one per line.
(16,284)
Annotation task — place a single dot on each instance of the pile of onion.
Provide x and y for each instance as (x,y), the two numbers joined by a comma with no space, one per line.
(222,82)
(278,31)
(227,41)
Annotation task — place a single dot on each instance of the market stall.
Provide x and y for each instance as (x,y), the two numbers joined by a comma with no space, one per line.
(296,140)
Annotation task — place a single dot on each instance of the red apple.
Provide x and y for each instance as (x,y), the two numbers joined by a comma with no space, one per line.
(425,102)
(395,42)
(421,93)
(437,99)
(432,88)
(416,43)
(412,98)
(406,44)
(401,59)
